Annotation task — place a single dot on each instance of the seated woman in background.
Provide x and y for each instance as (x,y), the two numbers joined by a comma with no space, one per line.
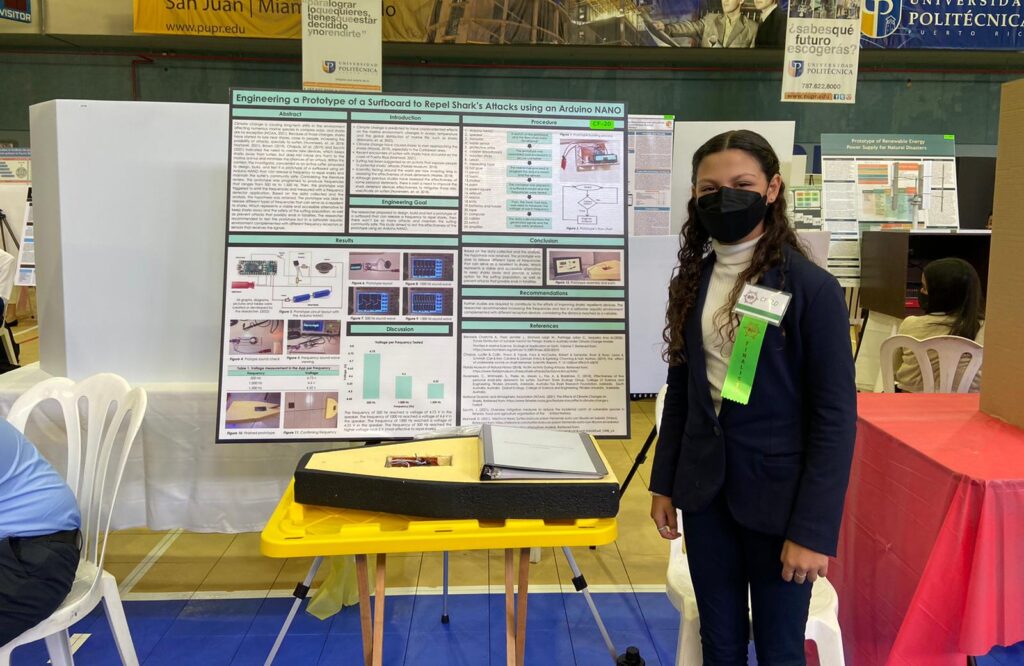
(951,299)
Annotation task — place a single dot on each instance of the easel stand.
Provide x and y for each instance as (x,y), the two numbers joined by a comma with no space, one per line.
(372,620)
(5,226)
(640,458)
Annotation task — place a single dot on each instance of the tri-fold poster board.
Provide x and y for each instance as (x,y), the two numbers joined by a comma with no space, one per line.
(884,182)
(397,264)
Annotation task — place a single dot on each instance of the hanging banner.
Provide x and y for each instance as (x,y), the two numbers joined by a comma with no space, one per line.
(273,19)
(928,24)
(822,52)
(16,10)
(892,24)
(341,45)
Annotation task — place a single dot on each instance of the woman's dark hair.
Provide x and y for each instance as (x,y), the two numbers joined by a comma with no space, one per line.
(954,288)
(695,243)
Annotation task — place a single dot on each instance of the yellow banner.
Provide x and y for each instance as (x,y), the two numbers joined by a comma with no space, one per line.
(406,20)
(275,19)
(403,20)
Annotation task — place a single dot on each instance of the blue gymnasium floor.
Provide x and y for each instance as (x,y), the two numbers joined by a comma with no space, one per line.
(560,632)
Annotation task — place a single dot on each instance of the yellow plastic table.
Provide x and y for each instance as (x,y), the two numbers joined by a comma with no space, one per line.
(298,530)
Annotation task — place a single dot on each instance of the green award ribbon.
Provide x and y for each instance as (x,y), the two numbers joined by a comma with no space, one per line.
(739,380)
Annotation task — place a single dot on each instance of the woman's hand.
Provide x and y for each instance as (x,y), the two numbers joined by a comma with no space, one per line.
(799,563)
(664,516)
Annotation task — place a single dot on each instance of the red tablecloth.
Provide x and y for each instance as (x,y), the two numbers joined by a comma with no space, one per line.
(931,554)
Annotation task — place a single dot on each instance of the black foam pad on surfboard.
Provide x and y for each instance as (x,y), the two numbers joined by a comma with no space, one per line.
(481,500)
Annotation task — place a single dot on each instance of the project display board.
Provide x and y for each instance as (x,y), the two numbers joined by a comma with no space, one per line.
(397,264)
(884,181)
(650,175)
(26,275)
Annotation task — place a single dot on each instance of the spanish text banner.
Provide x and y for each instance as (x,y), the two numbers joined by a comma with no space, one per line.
(274,19)
(822,55)
(341,47)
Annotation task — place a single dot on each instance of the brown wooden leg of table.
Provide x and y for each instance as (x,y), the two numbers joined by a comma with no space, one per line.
(524,578)
(510,631)
(365,617)
(378,611)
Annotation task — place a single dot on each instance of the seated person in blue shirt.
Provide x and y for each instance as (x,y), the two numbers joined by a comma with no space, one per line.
(39,538)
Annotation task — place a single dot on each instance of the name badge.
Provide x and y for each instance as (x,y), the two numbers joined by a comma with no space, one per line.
(768,305)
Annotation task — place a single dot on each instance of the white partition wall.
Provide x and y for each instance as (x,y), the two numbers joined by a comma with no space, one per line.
(129,213)
(651,261)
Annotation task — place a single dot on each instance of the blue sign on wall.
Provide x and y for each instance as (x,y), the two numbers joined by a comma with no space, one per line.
(946,24)
(16,10)
(885,24)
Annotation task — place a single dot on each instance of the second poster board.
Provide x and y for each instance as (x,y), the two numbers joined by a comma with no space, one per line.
(900,182)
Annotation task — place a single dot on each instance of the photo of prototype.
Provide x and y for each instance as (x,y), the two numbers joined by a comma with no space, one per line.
(311,409)
(247,411)
(584,266)
(255,336)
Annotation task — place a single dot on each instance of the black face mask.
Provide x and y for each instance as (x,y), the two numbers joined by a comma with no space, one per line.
(729,215)
(922,300)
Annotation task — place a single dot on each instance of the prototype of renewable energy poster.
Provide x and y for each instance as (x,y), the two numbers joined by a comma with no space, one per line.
(884,181)
(397,264)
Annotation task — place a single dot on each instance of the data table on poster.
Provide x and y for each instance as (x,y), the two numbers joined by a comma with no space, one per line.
(402,263)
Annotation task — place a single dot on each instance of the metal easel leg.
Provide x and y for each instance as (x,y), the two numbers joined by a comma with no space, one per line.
(580,583)
(444,592)
(640,458)
(301,590)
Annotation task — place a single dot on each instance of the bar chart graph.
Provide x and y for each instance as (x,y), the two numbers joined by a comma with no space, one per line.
(396,382)
(403,383)
(371,376)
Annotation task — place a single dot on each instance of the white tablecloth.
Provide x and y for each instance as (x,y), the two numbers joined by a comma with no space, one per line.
(176,476)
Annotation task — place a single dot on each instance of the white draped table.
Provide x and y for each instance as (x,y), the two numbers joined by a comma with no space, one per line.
(176,476)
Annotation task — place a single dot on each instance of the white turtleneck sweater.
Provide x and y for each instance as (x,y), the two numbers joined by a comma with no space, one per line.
(730,261)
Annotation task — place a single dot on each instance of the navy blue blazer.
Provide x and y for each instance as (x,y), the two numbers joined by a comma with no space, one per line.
(771,33)
(782,460)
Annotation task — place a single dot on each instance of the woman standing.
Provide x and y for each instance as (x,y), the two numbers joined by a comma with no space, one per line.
(760,473)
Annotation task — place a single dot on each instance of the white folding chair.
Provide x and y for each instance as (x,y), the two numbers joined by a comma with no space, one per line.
(7,339)
(114,413)
(950,349)
(822,621)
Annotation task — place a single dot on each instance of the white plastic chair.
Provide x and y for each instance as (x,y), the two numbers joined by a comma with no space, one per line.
(950,349)
(7,339)
(822,620)
(114,414)
(659,405)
